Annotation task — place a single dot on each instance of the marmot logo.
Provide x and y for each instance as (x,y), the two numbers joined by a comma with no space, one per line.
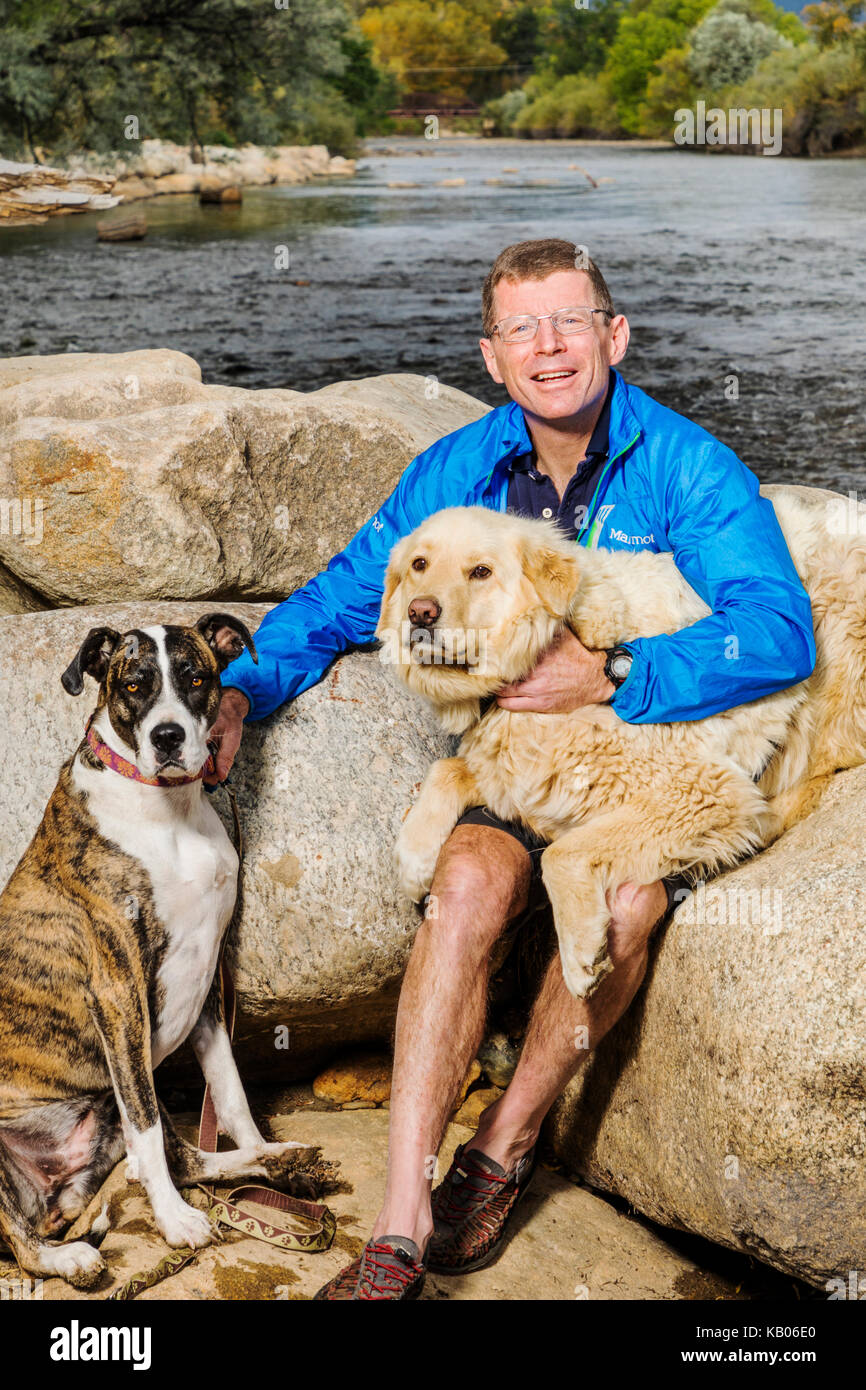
(631,540)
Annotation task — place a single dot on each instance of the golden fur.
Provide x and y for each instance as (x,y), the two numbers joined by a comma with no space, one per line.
(619,802)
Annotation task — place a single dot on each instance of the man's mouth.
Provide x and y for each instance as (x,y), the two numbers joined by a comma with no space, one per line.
(561,374)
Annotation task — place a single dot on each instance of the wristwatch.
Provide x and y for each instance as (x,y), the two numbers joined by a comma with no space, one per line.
(617,665)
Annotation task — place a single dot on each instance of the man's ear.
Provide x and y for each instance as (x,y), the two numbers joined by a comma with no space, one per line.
(487,352)
(226,636)
(92,657)
(554,576)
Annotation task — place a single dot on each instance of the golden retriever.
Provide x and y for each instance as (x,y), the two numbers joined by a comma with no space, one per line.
(619,802)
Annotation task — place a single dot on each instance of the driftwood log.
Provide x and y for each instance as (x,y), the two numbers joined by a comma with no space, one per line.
(212,191)
(124,229)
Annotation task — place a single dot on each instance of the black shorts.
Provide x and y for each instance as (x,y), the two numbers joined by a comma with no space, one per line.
(676,887)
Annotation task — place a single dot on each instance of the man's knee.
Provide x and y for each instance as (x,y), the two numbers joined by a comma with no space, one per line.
(481,883)
(636,910)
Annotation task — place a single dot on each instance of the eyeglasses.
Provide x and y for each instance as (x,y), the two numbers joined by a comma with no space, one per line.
(522,328)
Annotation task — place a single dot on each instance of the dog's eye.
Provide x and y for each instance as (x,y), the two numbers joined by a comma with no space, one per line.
(481,572)
(196,680)
(420,563)
(132,686)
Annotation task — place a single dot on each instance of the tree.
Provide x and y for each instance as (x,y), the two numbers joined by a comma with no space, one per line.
(833,21)
(578,40)
(71,73)
(643,37)
(727,47)
(443,49)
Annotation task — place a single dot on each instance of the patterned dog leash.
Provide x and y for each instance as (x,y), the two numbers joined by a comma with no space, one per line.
(227,1211)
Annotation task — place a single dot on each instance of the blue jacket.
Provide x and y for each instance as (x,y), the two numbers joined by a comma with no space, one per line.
(668,485)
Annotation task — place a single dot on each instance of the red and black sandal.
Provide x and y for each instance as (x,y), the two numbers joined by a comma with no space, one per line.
(472,1207)
(390,1267)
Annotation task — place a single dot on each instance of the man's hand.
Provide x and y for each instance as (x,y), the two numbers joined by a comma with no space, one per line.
(567,676)
(227,732)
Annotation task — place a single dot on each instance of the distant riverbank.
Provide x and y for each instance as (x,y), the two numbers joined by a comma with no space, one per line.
(31,193)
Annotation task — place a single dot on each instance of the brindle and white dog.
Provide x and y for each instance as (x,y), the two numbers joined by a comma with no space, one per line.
(110,931)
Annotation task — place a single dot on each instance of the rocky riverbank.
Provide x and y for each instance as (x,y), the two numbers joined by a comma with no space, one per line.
(31,193)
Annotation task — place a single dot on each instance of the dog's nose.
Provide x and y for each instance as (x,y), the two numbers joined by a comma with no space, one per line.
(423,611)
(167,738)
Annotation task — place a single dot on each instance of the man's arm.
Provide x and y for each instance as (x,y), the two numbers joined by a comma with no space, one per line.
(759,638)
(297,640)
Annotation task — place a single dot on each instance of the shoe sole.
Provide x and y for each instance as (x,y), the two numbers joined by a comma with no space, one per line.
(495,1249)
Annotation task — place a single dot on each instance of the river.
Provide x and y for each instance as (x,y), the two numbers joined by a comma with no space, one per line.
(751,268)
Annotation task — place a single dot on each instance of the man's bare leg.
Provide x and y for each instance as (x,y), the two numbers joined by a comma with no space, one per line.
(562,1029)
(481,883)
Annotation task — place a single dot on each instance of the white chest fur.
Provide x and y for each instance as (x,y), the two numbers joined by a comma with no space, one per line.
(192,867)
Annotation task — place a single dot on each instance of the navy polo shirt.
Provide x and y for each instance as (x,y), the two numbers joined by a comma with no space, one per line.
(531,493)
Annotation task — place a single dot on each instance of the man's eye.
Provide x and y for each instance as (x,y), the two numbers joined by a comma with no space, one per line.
(480,572)
(419,564)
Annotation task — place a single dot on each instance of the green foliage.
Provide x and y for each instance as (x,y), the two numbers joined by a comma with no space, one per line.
(819,92)
(578,40)
(70,74)
(727,46)
(834,21)
(368,91)
(644,35)
(671,87)
(446,50)
(503,111)
(579,105)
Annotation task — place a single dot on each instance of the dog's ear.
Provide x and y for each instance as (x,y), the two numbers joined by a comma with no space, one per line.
(393,577)
(554,575)
(226,636)
(93,657)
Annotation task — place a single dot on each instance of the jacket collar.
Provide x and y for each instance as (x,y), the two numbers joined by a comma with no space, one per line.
(512,438)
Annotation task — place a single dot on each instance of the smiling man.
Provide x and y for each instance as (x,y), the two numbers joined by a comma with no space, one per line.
(617,470)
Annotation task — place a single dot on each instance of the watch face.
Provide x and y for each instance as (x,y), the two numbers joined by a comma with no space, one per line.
(621,665)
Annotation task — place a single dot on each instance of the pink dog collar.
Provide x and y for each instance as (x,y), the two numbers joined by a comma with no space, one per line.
(113,760)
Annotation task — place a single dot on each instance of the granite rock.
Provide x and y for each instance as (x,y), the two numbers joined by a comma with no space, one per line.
(731,1098)
(149,484)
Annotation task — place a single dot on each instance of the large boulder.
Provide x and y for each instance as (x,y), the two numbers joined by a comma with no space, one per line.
(731,1098)
(150,484)
(322,785)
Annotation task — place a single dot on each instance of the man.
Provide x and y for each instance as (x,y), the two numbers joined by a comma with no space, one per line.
(618,470)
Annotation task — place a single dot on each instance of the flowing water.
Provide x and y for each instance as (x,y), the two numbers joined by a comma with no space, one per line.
(751,268)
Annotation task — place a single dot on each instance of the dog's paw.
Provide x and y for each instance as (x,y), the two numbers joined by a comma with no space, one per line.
(416,865)
(183,1225)
(582,981)
(283,1162)
(79,1264)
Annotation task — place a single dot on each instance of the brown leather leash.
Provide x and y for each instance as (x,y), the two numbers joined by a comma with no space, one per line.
(227,1211)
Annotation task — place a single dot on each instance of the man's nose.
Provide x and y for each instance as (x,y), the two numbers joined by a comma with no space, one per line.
(423,611)
(547,339)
